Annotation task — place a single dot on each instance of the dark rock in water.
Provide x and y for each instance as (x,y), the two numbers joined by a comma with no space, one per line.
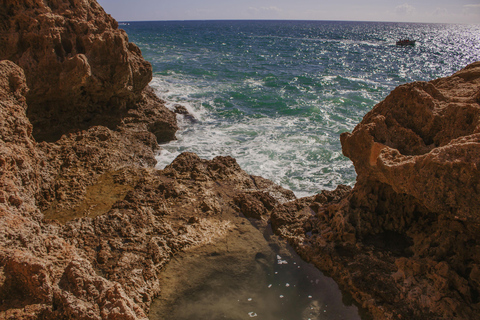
(405,240)
(260,255)
(179,109)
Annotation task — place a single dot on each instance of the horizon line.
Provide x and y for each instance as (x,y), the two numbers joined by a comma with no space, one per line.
(303,20)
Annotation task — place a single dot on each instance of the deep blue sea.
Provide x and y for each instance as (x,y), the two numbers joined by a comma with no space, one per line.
(277,94)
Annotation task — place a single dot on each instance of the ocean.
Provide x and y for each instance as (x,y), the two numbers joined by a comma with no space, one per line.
(276,95)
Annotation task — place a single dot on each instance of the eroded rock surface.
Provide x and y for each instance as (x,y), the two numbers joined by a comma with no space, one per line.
(405,241)
(81,69)
(86,223)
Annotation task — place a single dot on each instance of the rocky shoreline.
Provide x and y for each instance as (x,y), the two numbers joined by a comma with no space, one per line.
(86,223)
(405,240)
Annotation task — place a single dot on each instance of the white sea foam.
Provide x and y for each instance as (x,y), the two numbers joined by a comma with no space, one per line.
(255,83)
(277,101)
(291,151)
(276,96)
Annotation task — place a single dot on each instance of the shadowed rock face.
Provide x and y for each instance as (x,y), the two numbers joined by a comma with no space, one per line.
(406,240)
(86,89)
(80,68)
(18,157)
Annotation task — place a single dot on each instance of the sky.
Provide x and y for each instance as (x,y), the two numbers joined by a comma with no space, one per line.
(441,11)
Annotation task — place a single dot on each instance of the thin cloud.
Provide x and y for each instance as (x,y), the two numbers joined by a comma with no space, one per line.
(440,12)
(471,12)
(264,10)
(471,8)
(405,10)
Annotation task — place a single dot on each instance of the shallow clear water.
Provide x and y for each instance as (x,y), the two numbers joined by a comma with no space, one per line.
(248,276)
(277,94)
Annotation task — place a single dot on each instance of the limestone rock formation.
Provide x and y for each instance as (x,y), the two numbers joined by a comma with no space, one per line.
(18,155)
(85,225)
(32,255)
(120,223)
(80,68)
(405,241)
(423,140)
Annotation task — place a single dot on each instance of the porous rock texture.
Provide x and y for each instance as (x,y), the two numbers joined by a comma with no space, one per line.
(86,223)
(405,242)
(80,68)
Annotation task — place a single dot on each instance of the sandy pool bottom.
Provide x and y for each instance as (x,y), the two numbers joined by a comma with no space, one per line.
(248,274)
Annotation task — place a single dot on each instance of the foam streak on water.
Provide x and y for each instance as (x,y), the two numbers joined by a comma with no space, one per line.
(277,94)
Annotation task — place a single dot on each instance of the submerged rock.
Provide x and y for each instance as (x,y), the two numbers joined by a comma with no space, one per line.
(405,241)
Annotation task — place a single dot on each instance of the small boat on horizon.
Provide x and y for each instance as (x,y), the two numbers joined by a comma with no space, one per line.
(405,42)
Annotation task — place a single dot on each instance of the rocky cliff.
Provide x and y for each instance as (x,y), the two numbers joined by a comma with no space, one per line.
(80,69)
(405,241)
(85,227)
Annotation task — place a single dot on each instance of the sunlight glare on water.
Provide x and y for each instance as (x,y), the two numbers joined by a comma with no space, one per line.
(276,95)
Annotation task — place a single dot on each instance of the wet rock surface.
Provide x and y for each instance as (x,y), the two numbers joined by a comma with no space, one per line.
(405,241)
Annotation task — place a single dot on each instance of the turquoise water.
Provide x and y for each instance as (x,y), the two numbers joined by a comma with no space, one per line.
(277,94)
